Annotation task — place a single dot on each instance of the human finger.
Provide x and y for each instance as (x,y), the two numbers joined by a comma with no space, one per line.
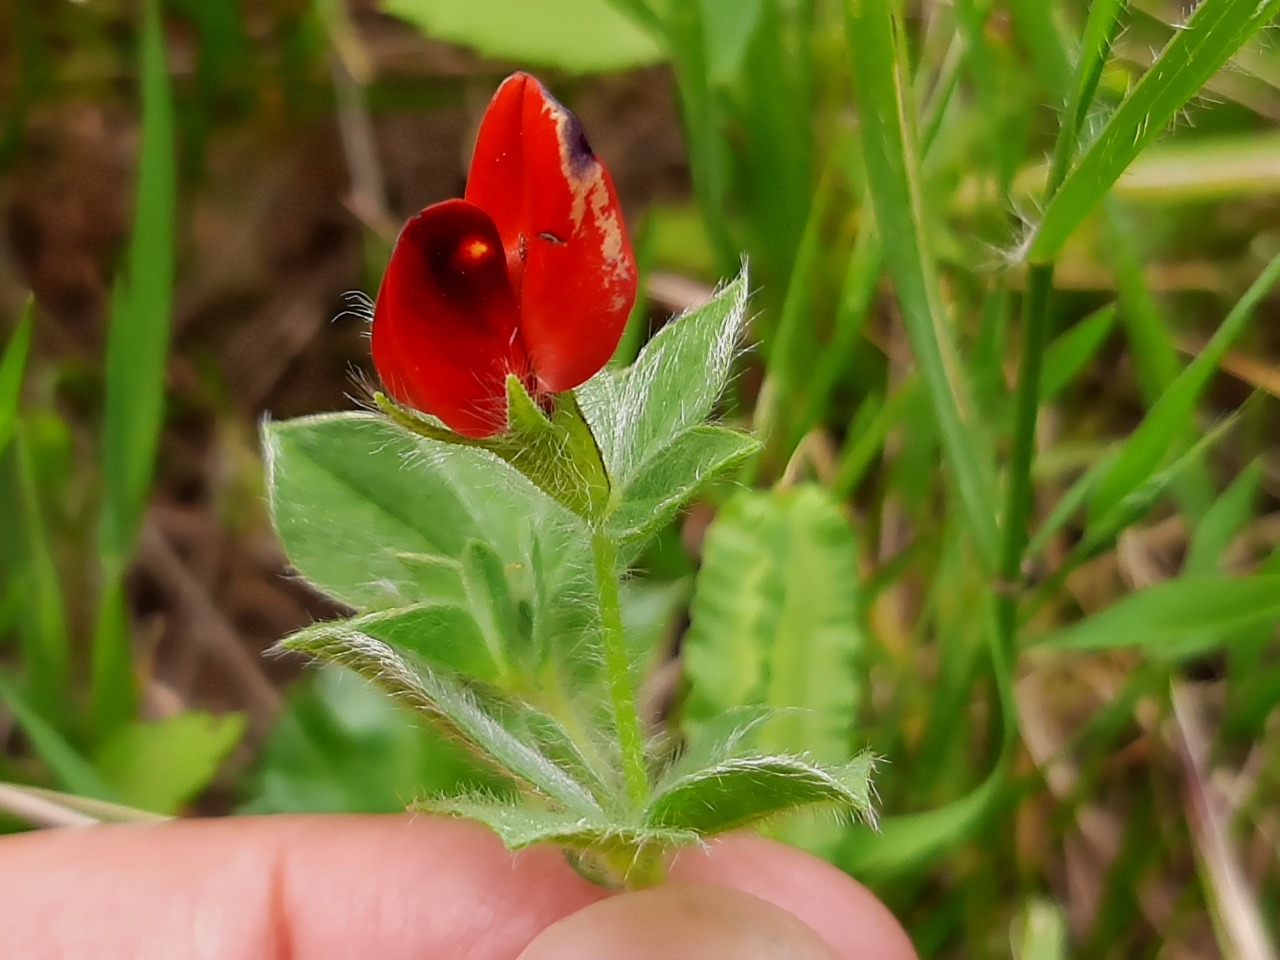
(680,921)
(262,888)
(844,913)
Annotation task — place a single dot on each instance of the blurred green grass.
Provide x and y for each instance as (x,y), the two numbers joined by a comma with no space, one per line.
(1014,262)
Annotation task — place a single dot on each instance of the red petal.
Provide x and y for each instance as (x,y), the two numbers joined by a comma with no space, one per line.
(554,204)
(445,326)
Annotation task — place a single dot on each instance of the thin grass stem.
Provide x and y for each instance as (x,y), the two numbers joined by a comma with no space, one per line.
(1017,513)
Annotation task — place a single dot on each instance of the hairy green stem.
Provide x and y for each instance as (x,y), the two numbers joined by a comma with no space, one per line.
(639,867)
(1017,512)
(626,716)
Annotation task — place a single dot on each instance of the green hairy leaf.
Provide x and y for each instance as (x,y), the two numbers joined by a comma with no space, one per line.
(351,495)
(382,519)
(723,737)
(435,694)
(638,412)
(591,759)
(442,634)
(738,792)
(524,825)
(674,475)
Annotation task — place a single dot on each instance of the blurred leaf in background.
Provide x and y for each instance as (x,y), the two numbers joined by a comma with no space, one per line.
(577,36)
(341,746)
(775,624)
(103,753)
(161,765)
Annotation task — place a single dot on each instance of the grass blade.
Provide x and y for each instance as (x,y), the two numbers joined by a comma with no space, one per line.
(1161,615)
(1036,24)
(1035,322)
(701,116)
(524,826)
(1155,358)
(48,808)
(905,841)
(1166,422)
(45,639)
(793,344)
(1071,500)
(137,343)
(1224,519)
(1041,932)
(893,176)
(853,306)
(1208,39)
(1099,31)
(867,433)
(72,771)
(1099,534)
(138,339)
(12,365)
(1071,352)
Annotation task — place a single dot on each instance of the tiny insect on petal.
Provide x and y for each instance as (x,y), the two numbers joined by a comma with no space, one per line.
(556,209)
(446,324)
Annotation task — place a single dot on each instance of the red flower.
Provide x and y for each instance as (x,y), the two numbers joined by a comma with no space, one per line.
(532,274)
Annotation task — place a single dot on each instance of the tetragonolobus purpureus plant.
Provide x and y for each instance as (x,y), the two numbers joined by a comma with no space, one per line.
(480,520)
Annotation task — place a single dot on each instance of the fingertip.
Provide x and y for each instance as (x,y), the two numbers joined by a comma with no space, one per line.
(844,913)
(680,921)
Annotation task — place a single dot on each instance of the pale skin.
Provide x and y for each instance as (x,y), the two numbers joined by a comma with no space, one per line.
(392,887)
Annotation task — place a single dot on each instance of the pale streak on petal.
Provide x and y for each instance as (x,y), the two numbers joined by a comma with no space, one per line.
(589,188)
